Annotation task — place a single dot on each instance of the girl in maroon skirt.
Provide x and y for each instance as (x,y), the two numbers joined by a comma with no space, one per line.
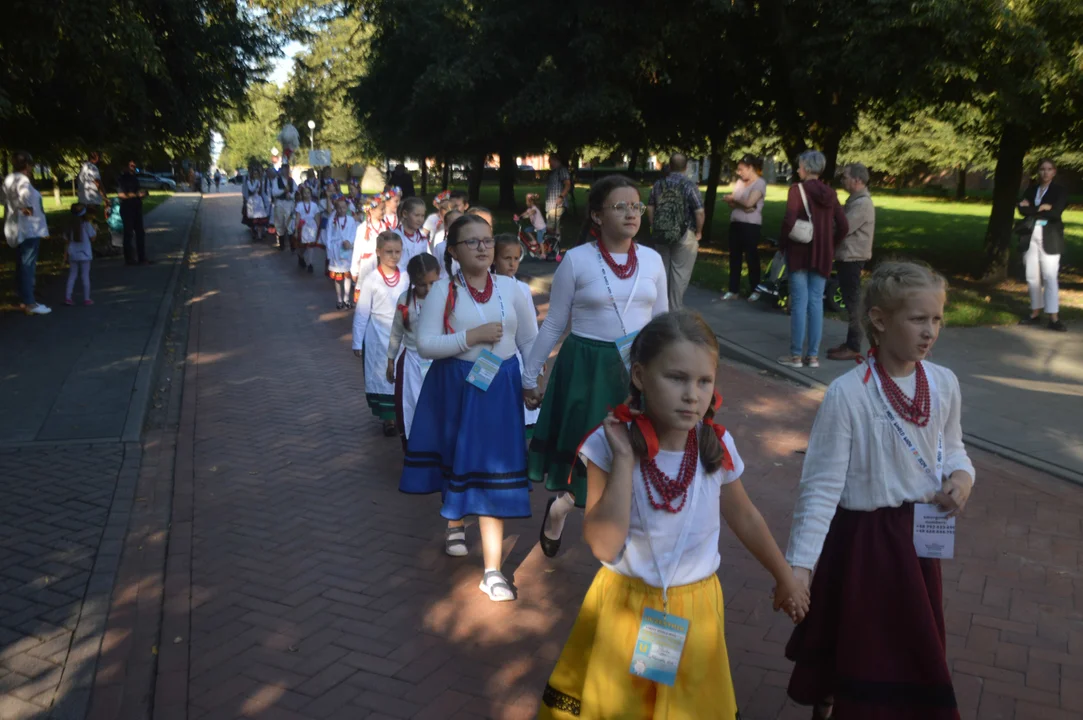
(886,438)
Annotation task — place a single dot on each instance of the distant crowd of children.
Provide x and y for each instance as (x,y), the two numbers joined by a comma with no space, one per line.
(622,426)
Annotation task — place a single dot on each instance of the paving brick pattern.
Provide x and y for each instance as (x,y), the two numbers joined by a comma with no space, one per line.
(301,584)
(59,548)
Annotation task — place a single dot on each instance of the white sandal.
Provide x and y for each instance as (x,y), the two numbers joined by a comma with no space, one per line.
(495,585)
(455,541)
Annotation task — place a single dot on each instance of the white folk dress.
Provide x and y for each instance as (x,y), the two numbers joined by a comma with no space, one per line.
(377,299)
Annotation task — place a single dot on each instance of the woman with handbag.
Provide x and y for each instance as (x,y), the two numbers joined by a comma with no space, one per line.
(813,224)
(1041,247)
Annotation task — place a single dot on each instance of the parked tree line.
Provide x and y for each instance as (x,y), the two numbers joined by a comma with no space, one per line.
(460,80)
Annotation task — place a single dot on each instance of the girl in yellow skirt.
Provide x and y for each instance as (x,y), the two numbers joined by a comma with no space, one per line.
(649,640)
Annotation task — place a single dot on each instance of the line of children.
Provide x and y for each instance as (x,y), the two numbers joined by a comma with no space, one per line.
(79,252)
(406,369)
(887,436)
(607,289)
(338,239)
(507,253)
(471,448)
(661,474)
(376,306)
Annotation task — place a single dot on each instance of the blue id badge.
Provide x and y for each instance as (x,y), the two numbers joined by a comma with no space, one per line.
(1041,223)
(624,347)
(485,369)
(659,647)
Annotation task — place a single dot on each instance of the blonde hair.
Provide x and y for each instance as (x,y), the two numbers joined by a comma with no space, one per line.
(890,284)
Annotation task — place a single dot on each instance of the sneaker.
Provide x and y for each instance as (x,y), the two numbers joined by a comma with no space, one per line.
(38,309)
(88,302)
(792,361)
(754,297)
(1031,320)
(67,301)
(1058,326)
(812,362)
(730,296)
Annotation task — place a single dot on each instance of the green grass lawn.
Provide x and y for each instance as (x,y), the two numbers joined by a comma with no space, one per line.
(51,254)
(944,233)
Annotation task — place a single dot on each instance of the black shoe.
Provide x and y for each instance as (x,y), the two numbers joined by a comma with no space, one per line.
(549,547)
(1058,326)
(390,430)
(1031,320)
(301,262)
(310,270)
(338,306)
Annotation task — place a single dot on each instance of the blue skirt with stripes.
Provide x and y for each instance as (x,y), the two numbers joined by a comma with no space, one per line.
(468,444)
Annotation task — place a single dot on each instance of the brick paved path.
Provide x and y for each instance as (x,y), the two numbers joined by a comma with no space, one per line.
(318,591)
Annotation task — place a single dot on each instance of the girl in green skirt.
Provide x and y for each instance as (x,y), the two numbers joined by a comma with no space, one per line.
(607,288)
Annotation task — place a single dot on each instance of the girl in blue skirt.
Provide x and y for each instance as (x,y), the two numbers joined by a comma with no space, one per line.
(470,445)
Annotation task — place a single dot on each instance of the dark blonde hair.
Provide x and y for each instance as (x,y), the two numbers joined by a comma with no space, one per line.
(418,267)
(387,236)
(659,333)
(890,284)
(599,192)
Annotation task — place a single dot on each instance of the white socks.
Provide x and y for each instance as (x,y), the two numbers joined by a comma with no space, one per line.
(558,513)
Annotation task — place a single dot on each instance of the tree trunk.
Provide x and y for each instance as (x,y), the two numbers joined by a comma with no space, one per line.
(508,170)
(832,140)
(56,186)
(424,177)
(960,184)
(714,174)
(476,172)
(445,174)
(1011,150)
(633,161)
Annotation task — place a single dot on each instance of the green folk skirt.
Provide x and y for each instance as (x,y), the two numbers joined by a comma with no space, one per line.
(588,379)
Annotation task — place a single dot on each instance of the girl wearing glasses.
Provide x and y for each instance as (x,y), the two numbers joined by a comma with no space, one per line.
(608,288)
(470,446)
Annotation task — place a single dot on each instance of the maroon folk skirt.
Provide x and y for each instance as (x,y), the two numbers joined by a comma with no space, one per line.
(874,638)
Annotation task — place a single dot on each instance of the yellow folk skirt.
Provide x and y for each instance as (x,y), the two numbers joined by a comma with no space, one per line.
(592,680)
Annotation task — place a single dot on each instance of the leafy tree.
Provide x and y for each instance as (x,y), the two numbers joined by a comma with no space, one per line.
(252,133)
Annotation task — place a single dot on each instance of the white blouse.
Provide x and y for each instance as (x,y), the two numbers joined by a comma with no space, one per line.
(364,258)
(412,245)
(700,558)
(376,304)
(339,230)
(856,460)
(579,293)
(520,322)
(402,336)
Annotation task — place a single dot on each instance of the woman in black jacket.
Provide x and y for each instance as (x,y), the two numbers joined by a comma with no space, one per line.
(1045,201)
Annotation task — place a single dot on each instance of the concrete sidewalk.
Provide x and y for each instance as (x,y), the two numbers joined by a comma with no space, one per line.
(1022,387)
(83,373)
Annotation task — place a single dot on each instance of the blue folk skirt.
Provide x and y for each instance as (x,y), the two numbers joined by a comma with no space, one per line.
(468,444)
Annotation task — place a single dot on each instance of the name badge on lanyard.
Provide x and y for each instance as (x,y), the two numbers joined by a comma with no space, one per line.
(623,343)
(934,531)
(662,635)
(485,368)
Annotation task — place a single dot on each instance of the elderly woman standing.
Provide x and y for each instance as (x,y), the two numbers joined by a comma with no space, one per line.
(1045,201)
(809,261)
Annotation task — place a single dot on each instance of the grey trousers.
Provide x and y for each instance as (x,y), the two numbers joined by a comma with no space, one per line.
(679,259)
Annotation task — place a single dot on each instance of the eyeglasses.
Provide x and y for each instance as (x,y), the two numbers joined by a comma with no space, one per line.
(474,243)
(623,207)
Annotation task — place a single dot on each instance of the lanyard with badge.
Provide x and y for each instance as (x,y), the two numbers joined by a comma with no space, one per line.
(1038,195)
(934,531)
(662,636)
(488,364)
(624,342)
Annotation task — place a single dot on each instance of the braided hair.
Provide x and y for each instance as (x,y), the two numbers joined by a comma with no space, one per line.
(662,331)
(418,267)
(453,240)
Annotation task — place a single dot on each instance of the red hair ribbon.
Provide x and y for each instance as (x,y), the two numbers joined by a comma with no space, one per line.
(868,371)
(719,431)
(405,310)
(625,414)
(449,306)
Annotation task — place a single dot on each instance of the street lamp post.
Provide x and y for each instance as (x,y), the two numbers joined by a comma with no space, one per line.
(311,134)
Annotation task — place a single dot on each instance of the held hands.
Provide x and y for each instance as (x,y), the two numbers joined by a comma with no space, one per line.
(1045,207)
(531,398)
(1024,203)
(487,334)
(792,594)
(390,371)
(954,493)
(359,353)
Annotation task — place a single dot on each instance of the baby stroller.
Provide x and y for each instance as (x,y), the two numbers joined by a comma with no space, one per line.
(528,240)
(774,288)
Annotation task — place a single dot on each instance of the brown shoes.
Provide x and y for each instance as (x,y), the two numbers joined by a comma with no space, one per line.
(843,352)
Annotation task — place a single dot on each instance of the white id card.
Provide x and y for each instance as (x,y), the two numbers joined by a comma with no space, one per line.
(934,532)
(624,347)
(659,647)
(483,372)
(425,364)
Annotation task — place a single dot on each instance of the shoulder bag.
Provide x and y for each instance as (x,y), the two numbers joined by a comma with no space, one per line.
(801,232)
